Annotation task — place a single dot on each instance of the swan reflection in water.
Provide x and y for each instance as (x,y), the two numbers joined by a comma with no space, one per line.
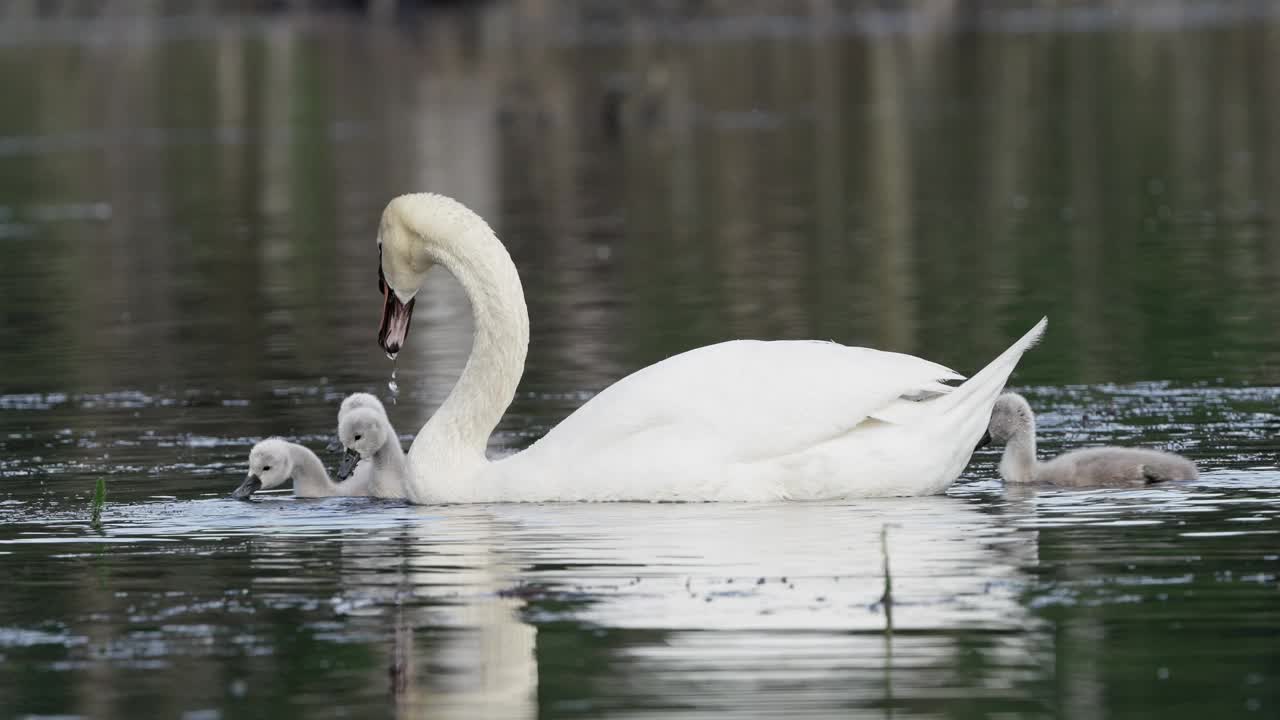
(788,591)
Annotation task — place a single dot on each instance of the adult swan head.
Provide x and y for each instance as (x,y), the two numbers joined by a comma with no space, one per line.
(743,420)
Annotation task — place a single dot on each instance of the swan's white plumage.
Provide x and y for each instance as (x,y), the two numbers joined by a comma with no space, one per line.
(760,421)
(737,421)
(727,421)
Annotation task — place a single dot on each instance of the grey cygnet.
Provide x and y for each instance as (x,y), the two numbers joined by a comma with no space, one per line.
(1014,424)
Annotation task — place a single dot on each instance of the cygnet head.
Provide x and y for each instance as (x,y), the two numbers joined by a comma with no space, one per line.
(352,402)
(270,465)
(1010,417)
(360,400)
(363,432)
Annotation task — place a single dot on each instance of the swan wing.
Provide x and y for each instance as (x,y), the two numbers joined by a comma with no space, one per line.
(763,421)
(748,400)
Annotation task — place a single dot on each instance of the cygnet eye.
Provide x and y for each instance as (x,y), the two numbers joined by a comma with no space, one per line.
(266,468)
(358,436)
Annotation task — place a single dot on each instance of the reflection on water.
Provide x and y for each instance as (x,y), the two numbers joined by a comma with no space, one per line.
(187,210)
(999,598)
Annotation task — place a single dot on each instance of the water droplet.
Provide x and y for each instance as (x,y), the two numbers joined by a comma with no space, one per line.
(393,386)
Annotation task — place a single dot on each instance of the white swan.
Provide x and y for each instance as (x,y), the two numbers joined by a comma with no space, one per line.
(373,453)
(737,421)
(1014,424)
(275,461)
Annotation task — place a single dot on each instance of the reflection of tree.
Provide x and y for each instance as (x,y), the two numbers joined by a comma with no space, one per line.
(844,186)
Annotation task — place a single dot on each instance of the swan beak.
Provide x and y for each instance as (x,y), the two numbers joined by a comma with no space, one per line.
(985,441)
(395,320)
(250,486)
(348,465)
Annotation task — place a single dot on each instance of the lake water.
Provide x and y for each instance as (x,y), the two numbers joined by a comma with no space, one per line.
(187,215)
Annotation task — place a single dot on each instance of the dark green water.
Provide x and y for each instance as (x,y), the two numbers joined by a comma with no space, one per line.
(187,218)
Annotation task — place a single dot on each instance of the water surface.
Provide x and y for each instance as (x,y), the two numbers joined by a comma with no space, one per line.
(187,214)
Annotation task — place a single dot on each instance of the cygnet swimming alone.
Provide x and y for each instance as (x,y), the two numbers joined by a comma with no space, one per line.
(1014,424)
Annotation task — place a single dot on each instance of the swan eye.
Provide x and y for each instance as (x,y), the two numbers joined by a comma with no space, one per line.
(266,468)
(358,437)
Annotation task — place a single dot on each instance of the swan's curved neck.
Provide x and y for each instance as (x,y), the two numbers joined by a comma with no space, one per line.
(453,441)
(309,475)
(1018,464)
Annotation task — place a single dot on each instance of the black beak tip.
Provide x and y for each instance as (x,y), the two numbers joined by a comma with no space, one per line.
(985,441)
(247,488)
(350,459)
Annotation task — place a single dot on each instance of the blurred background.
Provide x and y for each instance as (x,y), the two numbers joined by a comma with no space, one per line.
(189,196)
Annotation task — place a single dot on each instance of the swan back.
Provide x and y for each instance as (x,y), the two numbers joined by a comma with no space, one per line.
(761,421)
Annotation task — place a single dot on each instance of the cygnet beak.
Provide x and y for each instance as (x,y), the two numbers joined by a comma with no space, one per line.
(250,486)
(985,441)
(348,465)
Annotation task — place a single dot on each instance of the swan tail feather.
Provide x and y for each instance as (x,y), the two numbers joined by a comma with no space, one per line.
(967,409)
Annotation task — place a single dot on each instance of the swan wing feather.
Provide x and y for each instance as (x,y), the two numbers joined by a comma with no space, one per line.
(747,400)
